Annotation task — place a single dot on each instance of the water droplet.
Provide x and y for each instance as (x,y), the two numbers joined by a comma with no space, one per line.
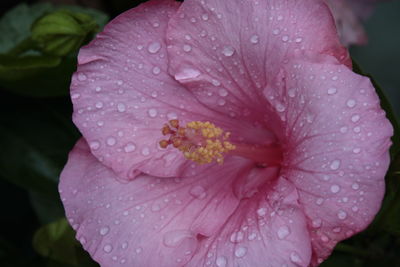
(187,74)
(145,151)
(111,141)
(82,77)
(75,96)
(261,212)
(335,188)
(355,118)
(283,232)
(292,92)
(172,116)
(237,237)
(252,236)
(221,261)
(254,39)
(276,31)
(298,40)
(351,103)
(107,248)
(175,238)
(342,214)
(82,240)
(124,245)
(294,257)
(94,145)
(187,48)
(138,250)
(316,223)
(240,252)
(280,108)
(228,51)
(156,70)
(221,102)
(204,17)
(319,201)
(356,150)
(355,186)
(98,89)
(222,92)
(343,129)
(152,112)
(130,147)
(335,164)
(154,47)
(285,38)
(99,105)
(121,107)
(198,192)
(332,91)
(104,230)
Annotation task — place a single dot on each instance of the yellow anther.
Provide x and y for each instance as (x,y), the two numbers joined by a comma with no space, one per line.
(201,142)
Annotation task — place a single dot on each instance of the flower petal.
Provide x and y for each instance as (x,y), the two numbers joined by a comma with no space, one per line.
(268,229)
(123,95)
(348,23)
(172,222)
(146,221)
(336,148)
(226,52)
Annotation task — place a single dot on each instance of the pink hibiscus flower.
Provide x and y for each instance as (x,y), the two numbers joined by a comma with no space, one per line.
(295,144)
(349,15)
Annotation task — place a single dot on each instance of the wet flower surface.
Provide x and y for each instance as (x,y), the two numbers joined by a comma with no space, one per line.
(349,15)
(309,139)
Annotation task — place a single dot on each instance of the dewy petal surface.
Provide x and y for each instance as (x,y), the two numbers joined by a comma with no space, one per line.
(336,147)
(268,229)
(172,222)
(146,221)
(226,52)
(122,94)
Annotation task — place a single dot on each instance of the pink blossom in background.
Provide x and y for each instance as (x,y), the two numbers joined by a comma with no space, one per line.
(349,15)
(312,141)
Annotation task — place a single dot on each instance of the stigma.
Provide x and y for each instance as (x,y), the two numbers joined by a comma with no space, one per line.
(201,142)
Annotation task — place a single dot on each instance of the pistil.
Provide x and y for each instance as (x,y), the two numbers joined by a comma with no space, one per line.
(203,142)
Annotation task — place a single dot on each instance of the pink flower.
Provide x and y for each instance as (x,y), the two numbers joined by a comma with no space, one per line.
(303,166)
(349,15)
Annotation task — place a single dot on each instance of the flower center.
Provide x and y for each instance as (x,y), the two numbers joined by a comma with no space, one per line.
(203,142)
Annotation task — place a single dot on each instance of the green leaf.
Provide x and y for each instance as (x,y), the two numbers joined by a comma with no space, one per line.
(15,25)
(24,67)
(62,31)
(56,241)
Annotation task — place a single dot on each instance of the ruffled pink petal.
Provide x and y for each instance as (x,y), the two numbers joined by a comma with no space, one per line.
(268,229)
(336,140)
(348,23)
(147,221)
(226,52)
(173,222)
(123,96)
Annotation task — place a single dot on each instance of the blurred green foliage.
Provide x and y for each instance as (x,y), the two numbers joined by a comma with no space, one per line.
(38,48)
(41,41)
